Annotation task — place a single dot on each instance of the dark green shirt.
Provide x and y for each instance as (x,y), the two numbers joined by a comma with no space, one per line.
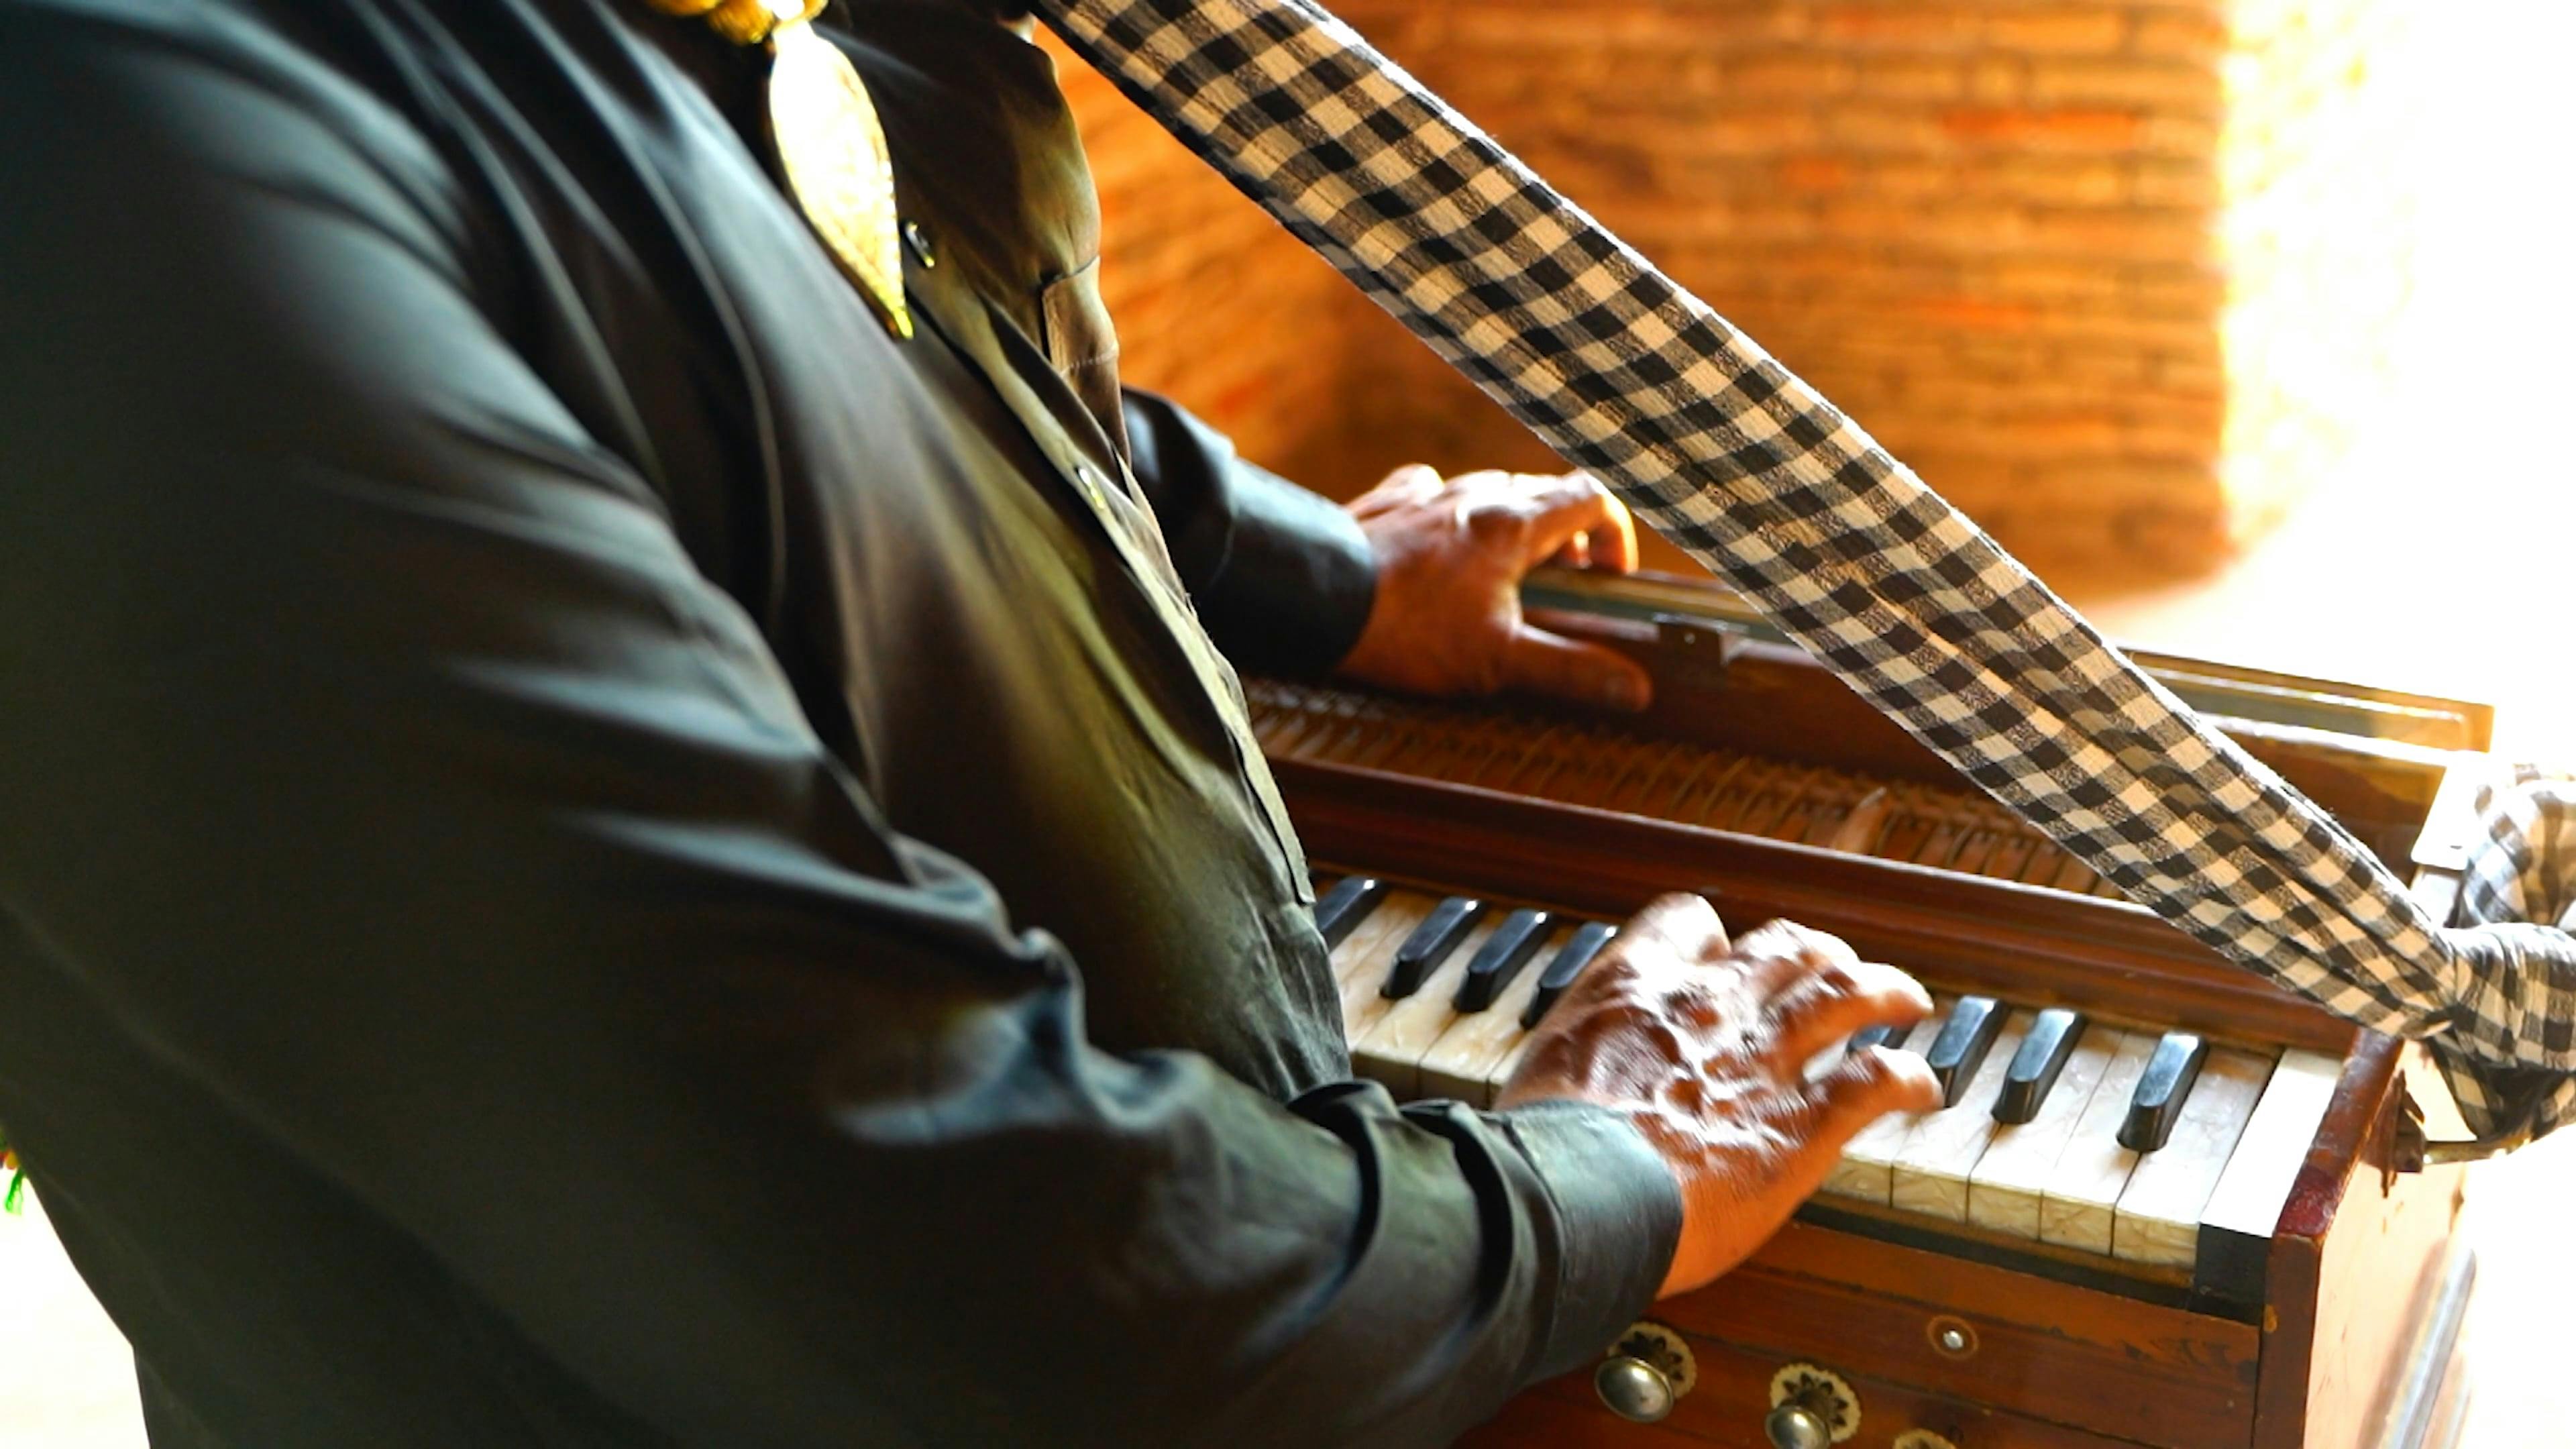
(594,851)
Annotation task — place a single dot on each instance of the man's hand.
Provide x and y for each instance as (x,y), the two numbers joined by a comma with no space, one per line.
(1450,555)
(1704,1046)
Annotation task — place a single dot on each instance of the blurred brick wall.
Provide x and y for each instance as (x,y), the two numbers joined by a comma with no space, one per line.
(2112,276)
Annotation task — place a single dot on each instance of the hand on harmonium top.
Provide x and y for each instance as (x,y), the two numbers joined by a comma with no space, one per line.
(1450,556)
(1707,1046)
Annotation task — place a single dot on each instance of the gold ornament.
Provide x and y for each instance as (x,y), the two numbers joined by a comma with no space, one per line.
(831,151)
(832,154)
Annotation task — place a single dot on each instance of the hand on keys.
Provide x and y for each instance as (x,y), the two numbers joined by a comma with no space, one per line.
(1450,555)
(1705,1045)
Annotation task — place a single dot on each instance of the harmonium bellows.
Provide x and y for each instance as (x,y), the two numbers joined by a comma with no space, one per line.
(2166,1203)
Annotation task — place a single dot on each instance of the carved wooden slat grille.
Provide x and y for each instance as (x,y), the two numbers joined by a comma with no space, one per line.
(1690,784)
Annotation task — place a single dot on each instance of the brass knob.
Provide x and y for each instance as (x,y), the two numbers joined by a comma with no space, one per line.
(1811,1408)
(1634,1389)
(1795,1425)
(1646,1373)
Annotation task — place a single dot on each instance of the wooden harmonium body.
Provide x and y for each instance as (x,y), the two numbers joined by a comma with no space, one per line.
(2168,1204)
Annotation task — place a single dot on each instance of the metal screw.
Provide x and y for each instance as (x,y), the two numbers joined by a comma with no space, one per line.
(1953,1341)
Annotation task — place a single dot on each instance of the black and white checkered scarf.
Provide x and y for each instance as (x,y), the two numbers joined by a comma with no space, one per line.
(2518,896)
(1723,451)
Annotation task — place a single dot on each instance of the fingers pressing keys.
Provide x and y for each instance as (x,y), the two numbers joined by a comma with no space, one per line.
(1438,996)
(1704,1046)
(2047,1126)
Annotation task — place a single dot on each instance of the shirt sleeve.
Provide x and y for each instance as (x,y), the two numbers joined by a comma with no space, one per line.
(1282,578)
(377,759)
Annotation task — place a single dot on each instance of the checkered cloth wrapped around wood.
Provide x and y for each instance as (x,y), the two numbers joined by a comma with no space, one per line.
(2519,892)
(1723,451)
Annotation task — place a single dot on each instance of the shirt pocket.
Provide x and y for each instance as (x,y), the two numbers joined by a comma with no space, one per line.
(1082,346)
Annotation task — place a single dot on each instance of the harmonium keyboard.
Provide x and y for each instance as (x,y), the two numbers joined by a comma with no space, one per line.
(2166,1204)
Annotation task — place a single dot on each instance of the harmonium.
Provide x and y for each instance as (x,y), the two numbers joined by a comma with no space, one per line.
(2168,1204)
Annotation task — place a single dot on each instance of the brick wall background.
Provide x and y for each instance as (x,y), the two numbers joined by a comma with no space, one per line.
(2115,277)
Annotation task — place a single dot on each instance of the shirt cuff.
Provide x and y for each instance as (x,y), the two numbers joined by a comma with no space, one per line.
(1619,1214)
(1298,581)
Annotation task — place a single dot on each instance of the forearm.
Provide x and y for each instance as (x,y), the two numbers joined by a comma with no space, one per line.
(1284,580)
(579,976)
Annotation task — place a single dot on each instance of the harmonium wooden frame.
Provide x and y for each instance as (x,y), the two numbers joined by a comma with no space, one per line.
(2338,1329)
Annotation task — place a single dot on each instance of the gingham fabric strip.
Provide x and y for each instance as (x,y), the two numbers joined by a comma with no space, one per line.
(2519,887)
(2523,867)
(1723,451)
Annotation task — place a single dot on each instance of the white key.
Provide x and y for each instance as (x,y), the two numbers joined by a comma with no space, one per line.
(1824,1061)
(2004,1191)
(1929,1172)
(1360,963)
(1867,1162)
(1390,1051)
(2265,1165)
(1509,1063)
(1464,1064)
(2158,1220)
(2084,1189)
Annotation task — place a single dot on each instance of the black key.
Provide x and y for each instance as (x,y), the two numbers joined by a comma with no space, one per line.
(1870,1036)
(1963,1043)
(1501,958)
(1347,904)
(2044,1050)
(1577,953)
(1430,944)
(2159,1098)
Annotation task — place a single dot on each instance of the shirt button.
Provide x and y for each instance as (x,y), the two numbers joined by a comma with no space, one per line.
(919,240)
